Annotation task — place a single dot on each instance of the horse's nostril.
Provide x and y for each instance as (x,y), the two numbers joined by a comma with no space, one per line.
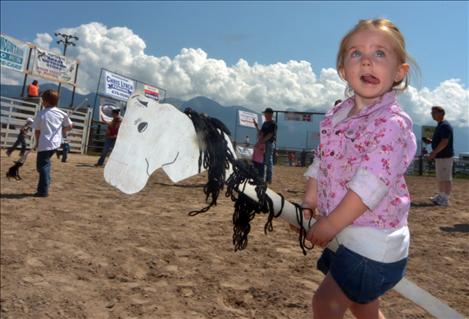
(142,127)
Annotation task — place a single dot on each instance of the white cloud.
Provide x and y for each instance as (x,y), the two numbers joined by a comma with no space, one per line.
(10,77)
(450,94)
(191,73)
(43,40)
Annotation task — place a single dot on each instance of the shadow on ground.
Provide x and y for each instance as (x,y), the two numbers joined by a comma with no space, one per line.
(458,228)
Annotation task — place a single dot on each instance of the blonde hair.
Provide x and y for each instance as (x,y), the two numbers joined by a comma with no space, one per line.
(395,34)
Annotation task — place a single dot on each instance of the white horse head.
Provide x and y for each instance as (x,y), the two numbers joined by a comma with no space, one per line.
(152,135)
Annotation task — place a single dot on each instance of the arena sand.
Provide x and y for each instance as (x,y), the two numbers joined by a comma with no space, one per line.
(89,251)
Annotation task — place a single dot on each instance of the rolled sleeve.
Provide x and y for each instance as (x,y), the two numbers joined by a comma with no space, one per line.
(388,155)
(312,171)
(368,187)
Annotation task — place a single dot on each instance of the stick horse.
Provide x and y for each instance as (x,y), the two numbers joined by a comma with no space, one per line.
(154,136)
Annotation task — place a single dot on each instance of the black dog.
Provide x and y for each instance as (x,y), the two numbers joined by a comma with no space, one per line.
(14,171)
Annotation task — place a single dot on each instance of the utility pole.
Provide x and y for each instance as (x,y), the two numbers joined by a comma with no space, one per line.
(66,39)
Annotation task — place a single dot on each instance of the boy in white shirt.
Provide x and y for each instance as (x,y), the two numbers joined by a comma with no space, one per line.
(49,124)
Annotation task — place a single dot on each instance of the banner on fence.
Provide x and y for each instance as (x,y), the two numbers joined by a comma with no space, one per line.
(427,132)
(296,116)
(151,92)
(55,67)
(118,86)
(247,118)
(14,53)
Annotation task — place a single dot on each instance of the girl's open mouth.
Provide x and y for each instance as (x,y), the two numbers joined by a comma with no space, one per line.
(369,79)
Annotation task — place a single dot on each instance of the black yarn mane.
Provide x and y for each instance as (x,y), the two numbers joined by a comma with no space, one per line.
(216,157)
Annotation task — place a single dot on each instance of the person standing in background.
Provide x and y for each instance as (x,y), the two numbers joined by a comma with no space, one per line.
(443,152)
(49,124)
(111,136)
(33,89)
(269,133)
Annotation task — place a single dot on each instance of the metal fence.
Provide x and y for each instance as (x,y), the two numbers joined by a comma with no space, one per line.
(422,166)
(14,113)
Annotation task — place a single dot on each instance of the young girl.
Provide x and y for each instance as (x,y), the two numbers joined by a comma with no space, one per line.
(356,181)
(258,155)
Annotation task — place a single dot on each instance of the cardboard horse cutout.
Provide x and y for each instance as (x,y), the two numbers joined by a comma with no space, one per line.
(154,136)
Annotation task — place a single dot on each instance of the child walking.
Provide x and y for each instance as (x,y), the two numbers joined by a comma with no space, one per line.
(258,155)
(49,125)
(21,139)
(356,181)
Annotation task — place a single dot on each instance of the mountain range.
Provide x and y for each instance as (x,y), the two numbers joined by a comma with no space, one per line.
(292,134)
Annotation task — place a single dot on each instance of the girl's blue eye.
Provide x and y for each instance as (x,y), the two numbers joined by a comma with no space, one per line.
(380,54)
(356,54)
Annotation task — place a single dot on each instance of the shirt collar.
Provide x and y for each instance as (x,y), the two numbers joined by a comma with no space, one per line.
(340,112)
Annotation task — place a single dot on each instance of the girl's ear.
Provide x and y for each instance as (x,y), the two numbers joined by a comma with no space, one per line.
(401,72)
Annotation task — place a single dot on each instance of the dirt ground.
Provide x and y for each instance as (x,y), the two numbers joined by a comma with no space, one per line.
(90,251)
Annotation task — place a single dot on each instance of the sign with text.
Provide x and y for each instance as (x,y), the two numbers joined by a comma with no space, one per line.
(55,67)
(151,92)
(247,118)
(297,116)
(118,86)
(13,53)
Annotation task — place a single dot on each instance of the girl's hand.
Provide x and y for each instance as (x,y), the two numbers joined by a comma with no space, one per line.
(308,213)
(322,232)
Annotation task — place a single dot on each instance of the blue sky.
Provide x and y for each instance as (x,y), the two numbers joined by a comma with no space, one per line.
(255,54)
(263,32)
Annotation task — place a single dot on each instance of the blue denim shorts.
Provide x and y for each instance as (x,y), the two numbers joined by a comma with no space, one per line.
(360,278)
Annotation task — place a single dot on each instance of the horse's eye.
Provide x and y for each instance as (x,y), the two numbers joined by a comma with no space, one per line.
(143,103)
(142,127)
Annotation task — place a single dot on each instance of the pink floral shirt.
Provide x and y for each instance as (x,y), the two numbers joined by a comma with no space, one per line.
(368,153)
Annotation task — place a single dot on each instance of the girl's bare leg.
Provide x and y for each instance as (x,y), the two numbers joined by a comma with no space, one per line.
(329,302)
(367,311)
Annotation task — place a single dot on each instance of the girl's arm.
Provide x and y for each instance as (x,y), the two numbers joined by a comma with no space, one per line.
(326,228)
(350,208)
(310,199)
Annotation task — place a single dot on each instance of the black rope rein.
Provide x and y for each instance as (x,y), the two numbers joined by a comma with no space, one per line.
(216,157)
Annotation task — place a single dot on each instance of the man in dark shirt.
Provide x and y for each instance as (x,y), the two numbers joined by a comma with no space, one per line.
(269,133)
(443,152)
